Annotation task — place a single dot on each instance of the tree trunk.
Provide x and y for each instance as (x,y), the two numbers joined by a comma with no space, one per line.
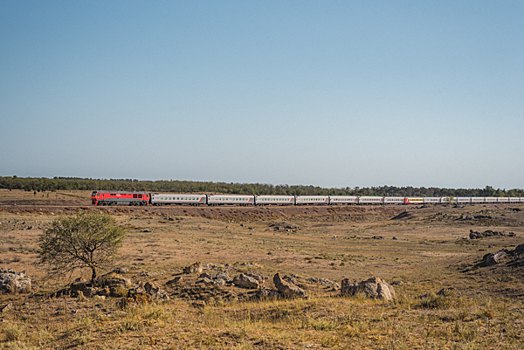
(93,275)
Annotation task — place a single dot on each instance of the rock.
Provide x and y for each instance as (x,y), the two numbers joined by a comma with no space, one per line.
(260,294)
(222,276)
(155,291)
(288,290)
(194,268)
(323,281)
(113,280)
(205,280)
(120,270)
(494,258)
(14,282)
(290,279)
(374,287)
(219,282)
(245,281)
(205,275)
(260,278)
(7,307)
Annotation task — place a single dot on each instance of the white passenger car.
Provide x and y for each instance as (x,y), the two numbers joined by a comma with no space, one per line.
(431,200)
(490,200)
(274,200)
(178,199)
(447,200)
(514,199)
(478,200)
(503,200)
(334,200)
(230,199)
(370,200)
(393,200)
(463,200)
(311,200)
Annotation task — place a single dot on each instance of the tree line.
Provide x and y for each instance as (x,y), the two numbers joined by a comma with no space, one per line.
(175,186)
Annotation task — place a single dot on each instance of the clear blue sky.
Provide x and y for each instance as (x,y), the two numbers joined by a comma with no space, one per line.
(327,93)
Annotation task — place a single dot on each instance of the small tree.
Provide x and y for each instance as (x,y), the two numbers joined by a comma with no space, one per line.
(86,240)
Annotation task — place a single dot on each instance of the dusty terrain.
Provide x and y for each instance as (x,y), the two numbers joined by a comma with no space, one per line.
(419,250)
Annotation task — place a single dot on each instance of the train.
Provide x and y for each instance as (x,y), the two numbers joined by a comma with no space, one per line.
(161,199)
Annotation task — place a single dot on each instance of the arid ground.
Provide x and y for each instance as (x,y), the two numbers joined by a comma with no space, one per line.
(418,250)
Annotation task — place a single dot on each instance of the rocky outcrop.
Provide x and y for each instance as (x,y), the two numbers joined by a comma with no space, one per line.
(374,287)
(109,285)
(194,268)
(246,281)
(283,226)
(14,282)
(113,280)
(488,233)
(288,290)
(494,258)
(155,291)
(514,257)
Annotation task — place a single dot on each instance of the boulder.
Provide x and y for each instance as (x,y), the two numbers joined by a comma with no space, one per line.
(113,280)
(288,290)
(245,281)
(494,258)
(194,268)
(374,287)
(155,291)
(14,282)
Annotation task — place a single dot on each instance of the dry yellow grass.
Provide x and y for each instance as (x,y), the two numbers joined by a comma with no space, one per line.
(427,254)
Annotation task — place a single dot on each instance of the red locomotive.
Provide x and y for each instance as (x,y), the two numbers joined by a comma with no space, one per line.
(120,197)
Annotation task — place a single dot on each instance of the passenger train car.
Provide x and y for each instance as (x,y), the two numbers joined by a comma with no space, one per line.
(158,199)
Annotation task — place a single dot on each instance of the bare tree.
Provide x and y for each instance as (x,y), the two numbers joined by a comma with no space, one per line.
(86,240)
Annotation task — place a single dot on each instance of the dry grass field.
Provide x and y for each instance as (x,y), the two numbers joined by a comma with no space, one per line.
(425,250)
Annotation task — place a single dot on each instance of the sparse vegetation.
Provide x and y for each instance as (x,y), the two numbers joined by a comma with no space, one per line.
(86,240)
(426,256)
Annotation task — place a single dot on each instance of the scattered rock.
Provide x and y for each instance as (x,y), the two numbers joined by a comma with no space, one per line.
(515,257)
(113,280)
(194,268)
(120,270)
(288,290)
(260,294)
(283,226)
(155,291)
(246,281)
(6,308)
(488,233)
(14,282)
(374,287)
(494,258)
(323,281)
(250,264)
